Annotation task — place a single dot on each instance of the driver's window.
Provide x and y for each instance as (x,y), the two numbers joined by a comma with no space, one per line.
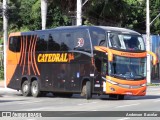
(114,40)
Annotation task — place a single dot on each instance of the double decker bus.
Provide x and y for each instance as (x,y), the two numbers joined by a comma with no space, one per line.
(78,59)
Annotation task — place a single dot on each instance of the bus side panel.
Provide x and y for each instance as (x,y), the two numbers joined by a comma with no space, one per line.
(12,69)
(65,76)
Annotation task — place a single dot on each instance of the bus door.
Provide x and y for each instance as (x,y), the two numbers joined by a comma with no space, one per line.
(101,66)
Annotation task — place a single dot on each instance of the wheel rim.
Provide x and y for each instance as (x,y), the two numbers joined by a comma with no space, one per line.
(25,88)
(34,89)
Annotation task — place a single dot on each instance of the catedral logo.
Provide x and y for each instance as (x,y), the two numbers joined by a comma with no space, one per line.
(56,57)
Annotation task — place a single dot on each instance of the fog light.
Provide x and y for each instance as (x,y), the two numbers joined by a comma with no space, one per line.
(112,89)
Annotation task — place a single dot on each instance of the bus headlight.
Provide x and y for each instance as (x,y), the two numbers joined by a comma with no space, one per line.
(112,82)
(143,84)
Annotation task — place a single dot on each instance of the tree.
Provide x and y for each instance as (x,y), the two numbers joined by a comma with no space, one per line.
(25,15)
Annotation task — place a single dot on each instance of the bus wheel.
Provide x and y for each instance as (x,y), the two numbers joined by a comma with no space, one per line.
(35,89)
(86,90)
(26,90)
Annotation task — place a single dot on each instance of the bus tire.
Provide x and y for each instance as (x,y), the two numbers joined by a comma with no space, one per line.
(35,89)
(88,90)
(26,89)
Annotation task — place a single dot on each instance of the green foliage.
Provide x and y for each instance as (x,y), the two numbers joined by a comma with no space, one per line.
(1,73)
(1,41)
(56,18)
(25,15)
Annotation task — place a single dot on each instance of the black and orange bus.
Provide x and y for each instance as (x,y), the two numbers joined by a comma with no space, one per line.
(77,59)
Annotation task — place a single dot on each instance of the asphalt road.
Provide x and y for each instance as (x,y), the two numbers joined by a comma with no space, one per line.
(11,100)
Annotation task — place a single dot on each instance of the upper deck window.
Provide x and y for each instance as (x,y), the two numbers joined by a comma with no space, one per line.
(98,37)
(126,42)
(82,40)
(15,43)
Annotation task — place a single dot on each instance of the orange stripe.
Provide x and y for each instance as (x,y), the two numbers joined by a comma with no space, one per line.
(32,47)
(129,54)
(120,53)
(35,59)
(22,51)
(126,82)
(24,56)
(29,72)
(15,34)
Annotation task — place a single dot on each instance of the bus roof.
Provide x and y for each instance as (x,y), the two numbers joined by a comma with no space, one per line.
(106,28)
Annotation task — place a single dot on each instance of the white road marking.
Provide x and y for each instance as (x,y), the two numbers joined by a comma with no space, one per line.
(123,119)
(94,110)
(87,103)
(128,105)
(157,100)
(29,102)
(34,109)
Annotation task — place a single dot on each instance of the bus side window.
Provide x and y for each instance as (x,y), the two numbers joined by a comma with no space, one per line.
(53,42)
(41,44)
(82,40)
(98,37)
(66,41)
(15,43)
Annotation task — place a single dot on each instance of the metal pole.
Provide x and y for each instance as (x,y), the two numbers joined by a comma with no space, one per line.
(43,13)
(79,12)
(148,42)
(5,35)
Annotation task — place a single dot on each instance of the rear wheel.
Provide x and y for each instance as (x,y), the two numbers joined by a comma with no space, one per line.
(26,89)
(35,89)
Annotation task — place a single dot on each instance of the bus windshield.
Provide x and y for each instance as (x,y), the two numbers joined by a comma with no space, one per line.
(128,68)
(126,42)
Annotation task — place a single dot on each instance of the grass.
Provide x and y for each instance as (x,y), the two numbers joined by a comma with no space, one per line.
(153,84)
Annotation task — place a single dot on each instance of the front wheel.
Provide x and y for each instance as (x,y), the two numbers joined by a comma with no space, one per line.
(35,89)
(86,90)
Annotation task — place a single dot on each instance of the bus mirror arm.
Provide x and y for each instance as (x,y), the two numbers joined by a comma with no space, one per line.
(155,59)
(106,50)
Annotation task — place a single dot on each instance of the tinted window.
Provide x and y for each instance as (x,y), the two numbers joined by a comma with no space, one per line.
(15,43)
(54,41)
(126,42)
(66,41)
(82,40)
(98,37)
(41,44)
